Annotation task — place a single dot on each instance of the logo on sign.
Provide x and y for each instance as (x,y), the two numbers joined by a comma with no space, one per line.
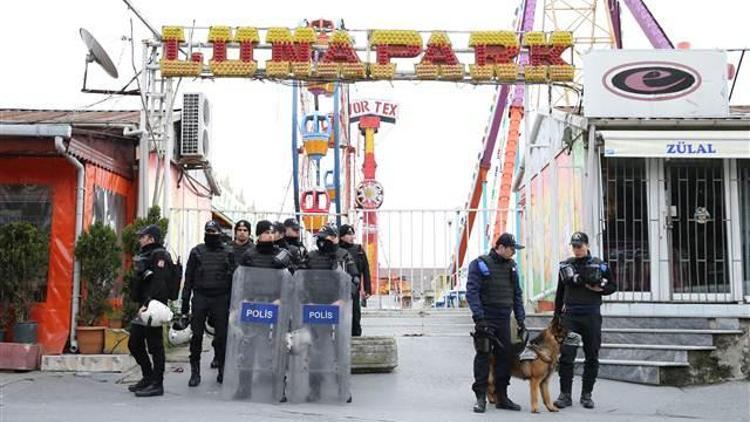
(259,313)
(652,81)
(320,314)
(685,148)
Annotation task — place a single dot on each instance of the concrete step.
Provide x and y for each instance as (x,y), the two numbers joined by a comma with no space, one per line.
(373,354)
(610,321)
(641,372)
(663,336)
(648,352)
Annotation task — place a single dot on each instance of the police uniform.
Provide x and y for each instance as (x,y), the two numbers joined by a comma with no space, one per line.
(328,256)
(493,292)
(262,255)
(208,279)
(580,310)
(150,284)
(363,268)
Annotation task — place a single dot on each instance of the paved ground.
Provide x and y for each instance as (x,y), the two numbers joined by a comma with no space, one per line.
(432,383)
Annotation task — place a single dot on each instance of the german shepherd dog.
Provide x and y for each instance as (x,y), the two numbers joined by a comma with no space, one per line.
(539,370)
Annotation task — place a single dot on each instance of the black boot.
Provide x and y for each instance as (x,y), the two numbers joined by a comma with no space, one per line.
(586,400)
(140,385)
(564,401)
(220,375)
(153,389)
(506,403)
(215,363)
(195,374)
(481,404)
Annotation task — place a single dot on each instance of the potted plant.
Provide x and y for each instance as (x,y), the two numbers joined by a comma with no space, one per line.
(23,255)
(114,315)
(131,247)
(99,255)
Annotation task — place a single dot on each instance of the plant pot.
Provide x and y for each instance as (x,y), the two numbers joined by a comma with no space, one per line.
(115,323)
(90,340)
(24,332)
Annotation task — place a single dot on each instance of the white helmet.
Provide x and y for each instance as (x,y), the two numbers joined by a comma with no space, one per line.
(156,314)
(179,337)
(209,328)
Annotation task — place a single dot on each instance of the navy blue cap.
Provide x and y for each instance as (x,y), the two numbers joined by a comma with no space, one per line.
(507,240)
(212,226)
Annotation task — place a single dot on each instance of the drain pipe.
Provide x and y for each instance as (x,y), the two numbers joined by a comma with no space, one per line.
(75,305)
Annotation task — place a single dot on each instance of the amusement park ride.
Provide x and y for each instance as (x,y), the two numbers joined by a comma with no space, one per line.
(320,58)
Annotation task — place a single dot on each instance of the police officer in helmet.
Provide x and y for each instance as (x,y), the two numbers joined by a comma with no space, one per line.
(493,292)
(208,279)
(582,281)
(346,241)
(150,284)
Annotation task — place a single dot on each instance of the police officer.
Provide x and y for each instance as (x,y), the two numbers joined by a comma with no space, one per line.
(329,256)
(266,254)
(150,284)
(239,245)
(292,234)
(493,291)
(242,242)
(582,282)
(346,241)
(279,234)
(208,278)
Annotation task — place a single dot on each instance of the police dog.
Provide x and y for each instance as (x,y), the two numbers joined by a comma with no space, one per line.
(538,371)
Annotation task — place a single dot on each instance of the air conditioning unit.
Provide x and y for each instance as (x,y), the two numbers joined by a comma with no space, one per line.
(196,126)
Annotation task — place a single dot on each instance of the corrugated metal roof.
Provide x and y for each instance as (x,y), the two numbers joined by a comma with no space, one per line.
(74,117)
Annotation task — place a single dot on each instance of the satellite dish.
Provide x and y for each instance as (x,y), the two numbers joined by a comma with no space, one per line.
(97,53)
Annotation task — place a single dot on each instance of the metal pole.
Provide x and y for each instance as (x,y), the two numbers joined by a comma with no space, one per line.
(143,146)
(295,154)
(168,149)
(337,151)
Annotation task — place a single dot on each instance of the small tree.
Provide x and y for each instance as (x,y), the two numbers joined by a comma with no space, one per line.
(131,247)
(100,259)
(23,254)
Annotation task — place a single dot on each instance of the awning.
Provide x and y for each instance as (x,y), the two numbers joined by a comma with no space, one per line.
(677,144)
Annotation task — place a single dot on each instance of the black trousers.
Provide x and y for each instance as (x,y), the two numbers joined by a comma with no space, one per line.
(501,327)
(218,308)
(142,336)
(356,316)
(590,328)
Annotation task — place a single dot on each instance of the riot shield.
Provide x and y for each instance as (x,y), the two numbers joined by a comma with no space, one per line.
(320,361)
(257,354)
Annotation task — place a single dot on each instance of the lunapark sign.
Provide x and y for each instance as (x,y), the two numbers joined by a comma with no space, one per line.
(304,54)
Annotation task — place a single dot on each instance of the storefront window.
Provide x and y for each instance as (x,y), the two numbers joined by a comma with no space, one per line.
(31,203)
(109,208)
(626,247)
(743,168)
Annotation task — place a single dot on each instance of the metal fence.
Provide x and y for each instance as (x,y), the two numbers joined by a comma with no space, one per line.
(415,250)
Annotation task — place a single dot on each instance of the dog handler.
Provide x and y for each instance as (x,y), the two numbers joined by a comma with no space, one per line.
(493,290)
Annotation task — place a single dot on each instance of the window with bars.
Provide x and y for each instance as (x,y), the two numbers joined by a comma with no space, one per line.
(743,170)
(625,235)
(698,226)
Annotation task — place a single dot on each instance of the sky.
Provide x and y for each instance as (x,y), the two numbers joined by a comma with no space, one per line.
(425,160)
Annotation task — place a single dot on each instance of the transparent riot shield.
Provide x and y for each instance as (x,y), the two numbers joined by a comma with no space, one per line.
(320,361)
(257,354)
